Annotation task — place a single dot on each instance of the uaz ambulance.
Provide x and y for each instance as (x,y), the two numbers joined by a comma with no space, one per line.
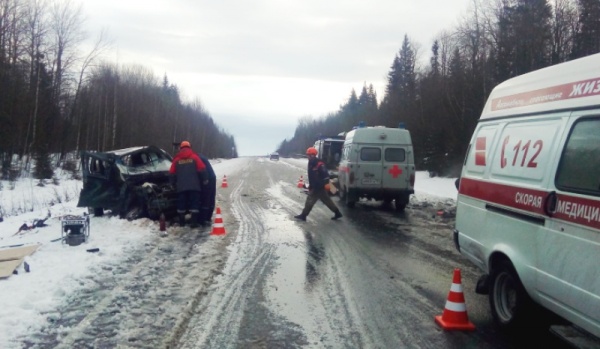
(377,163)
(528,206)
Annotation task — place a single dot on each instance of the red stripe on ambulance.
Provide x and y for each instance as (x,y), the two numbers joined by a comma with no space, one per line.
(578,89)
(569,208)
(480,147)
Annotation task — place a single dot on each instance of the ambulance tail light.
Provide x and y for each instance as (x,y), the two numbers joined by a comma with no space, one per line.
(412,180)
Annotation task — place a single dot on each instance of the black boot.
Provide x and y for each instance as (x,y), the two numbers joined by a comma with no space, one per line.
(195,218)
(181,219)
(338,214)
(301,217)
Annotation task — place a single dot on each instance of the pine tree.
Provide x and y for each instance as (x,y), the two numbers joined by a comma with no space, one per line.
(43,167)
(587,39)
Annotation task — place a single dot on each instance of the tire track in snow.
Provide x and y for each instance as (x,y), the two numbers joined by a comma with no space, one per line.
(218,321)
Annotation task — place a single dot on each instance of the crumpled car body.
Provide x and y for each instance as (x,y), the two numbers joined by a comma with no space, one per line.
(131,182)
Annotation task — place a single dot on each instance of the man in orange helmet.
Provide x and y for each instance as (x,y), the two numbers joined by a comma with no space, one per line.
(318,186)
(188,174)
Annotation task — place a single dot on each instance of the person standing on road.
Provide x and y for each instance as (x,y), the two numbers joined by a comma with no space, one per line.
(209,191)
(188,174)
(318,186)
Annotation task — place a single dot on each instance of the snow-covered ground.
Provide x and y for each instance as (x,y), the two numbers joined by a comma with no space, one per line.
(56,269)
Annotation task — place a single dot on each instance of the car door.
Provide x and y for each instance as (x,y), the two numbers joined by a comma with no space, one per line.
(569,281)
(99,187)
(368,171)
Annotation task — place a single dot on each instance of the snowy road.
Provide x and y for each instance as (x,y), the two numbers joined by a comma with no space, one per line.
(374,279)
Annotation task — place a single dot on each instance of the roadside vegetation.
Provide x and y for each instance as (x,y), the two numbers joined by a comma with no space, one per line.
(440,101)
(58,98)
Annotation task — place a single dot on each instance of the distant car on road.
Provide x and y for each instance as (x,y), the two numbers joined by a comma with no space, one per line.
(274,156)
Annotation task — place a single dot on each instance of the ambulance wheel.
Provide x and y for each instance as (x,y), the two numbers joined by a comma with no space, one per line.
(400,206)
(400,203)
(348,198)
(510,304)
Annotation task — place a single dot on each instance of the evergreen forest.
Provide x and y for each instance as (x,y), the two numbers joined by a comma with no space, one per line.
(57,99)
(440,102)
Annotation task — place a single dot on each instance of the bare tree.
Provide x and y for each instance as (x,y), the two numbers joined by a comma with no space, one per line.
(101,45)
(36,30)
(563,30)
(66,34)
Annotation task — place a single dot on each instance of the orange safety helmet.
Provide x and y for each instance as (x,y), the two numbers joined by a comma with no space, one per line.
(311,151)
(185,144)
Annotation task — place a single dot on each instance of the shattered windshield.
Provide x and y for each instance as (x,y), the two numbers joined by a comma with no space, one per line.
(143,162)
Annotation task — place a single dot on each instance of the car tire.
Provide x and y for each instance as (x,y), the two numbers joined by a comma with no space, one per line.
(400,203)
(133,213)
(349,199)
(400,206)
(511,306)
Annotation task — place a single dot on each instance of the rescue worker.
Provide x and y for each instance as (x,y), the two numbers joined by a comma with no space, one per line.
(318,186)
(188,174)
(209,191)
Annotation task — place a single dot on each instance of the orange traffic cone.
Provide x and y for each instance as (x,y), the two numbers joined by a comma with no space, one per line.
(455,312)
(224,183)
(218,227)
(300,183)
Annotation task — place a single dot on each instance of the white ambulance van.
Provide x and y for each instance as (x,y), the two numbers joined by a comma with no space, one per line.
(377,163)
(528,207)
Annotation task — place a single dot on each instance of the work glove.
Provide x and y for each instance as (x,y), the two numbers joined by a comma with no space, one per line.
(327,187)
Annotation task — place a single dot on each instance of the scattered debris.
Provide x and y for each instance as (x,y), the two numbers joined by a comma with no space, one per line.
(12,258)
(37,223)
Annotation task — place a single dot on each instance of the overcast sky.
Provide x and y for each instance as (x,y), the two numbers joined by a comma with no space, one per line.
(258,66)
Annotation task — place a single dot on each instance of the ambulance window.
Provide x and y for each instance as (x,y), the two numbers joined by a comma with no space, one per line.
(395,155)
(370,154)
(579,167)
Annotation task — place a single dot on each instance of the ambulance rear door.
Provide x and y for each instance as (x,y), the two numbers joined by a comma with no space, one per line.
(368,169)
(395,171)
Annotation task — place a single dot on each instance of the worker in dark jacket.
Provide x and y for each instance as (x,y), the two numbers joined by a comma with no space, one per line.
(188,174)
(209,191)
(318,186)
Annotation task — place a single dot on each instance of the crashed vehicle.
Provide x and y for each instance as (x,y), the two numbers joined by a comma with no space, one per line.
(131,182)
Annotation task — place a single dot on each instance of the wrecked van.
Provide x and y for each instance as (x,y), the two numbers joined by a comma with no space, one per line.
(131,182)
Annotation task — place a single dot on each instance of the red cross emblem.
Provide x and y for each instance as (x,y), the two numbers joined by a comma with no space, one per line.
(395,171)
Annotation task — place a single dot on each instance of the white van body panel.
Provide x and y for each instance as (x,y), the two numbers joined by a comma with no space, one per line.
(538,139)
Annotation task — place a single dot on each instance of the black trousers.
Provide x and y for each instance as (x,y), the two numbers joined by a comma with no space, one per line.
(207,200)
